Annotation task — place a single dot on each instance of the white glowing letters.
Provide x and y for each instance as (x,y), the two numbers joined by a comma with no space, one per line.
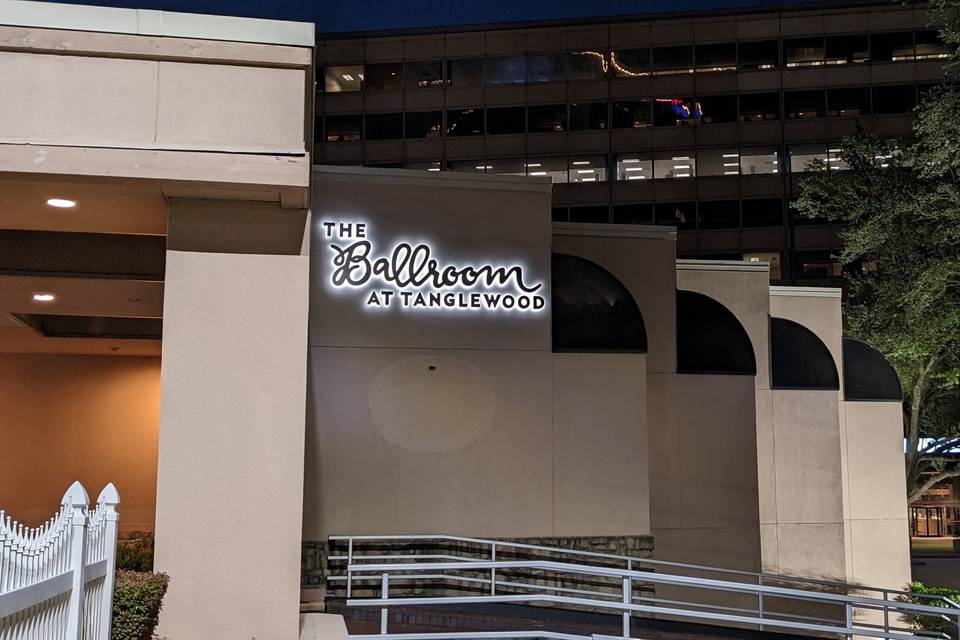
(410,276)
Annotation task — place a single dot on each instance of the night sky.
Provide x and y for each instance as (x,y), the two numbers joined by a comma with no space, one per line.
(373,15)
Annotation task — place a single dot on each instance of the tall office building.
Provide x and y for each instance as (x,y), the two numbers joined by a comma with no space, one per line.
(705,120)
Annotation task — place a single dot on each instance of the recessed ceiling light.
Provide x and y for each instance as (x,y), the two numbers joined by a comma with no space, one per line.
(62,203)
(44,297)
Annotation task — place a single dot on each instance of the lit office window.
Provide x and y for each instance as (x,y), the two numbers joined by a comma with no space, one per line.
(676,214)
(422,75)
(718,109)
(718,214)
(505,120)
(433,167)
(816,157)
(387,75)
(587,65)
(344,128)
(763,212)
(674,165)
(424,124)
(756,107)
(718,162)
(675,112)
(633,214)
(894,99)
(586,116)
(465,72)
(630,63)
(770,257)
(469,166)
(803,52)
(634,167)
(929,46)
(547,118)
(816,265)
(847,49)
(343,78)
(801,105)
(891,47)
(383,126)
(835,159)
(716,57)
(672,60)
(553,168)
(759,161)
(596,214)
(507,166)
(506,70)
(632,114)
(848,102)
(588,169)
(758,55)
(546,67)
(465,122)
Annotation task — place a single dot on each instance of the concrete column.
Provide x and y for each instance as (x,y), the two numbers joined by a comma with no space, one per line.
(230,471)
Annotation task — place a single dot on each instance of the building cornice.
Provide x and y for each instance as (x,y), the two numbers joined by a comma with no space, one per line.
(806,292)
(722,265)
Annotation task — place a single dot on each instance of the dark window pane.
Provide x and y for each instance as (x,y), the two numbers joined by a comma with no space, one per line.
(465,122)
(718,109)
(629,63)
(383,126)
(847,49)
(632,114)
(929,46)
(767,212)
(717,57)
(424,124)
(891,47)
(804,104)
(388,75)
(672,59)
(424,74)
(632,213)
(343,128)
(816,265)
(558,214)
(848,102)
(595,214)
(586,65)
(803,52)
(585,116)
(719,214)
(755,107)
(501,120)
(547,67)
(465,72)
(545,118)
(675,112)
(763,54)
(679,214)
(895,99)
(435,166)
(505,70)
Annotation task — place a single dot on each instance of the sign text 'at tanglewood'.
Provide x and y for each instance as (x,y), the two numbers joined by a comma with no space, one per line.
(408,276)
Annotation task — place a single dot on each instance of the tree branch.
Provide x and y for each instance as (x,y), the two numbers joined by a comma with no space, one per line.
(918,490)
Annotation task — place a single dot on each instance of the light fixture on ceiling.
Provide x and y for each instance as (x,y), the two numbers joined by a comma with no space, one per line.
(44,297)
(62,203)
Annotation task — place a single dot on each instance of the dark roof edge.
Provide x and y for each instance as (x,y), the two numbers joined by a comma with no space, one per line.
(764,6)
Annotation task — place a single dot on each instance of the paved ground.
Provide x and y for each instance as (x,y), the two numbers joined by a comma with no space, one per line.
(937,571)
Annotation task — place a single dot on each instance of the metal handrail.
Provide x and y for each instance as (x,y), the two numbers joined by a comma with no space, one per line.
(412,568)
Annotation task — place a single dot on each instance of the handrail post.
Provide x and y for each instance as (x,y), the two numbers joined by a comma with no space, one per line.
(886,612)
(848,617)
(349,564)
(385,594)
(760,598)
(76,500)
(627,599)
(493,570)
(109,499)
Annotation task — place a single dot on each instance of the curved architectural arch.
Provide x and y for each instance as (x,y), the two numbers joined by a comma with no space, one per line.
(799,359)
(867,374)
(710,339)
(592,310)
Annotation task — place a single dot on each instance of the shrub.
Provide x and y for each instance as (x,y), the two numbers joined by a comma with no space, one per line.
(137,598)
(134,557)
(930,622)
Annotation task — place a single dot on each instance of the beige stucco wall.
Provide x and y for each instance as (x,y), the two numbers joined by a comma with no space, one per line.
(230,481)
(87,418)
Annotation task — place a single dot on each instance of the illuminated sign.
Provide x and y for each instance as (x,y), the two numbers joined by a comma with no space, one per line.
(410,276)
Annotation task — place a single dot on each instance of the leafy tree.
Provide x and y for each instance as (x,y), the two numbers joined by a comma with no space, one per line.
(900,205)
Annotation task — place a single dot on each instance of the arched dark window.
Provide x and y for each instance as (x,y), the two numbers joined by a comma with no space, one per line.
(799,358)
(867,375)
(710,339)
(592,310)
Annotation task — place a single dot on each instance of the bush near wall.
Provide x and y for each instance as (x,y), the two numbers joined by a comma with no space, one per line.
(933,623)
(137,598)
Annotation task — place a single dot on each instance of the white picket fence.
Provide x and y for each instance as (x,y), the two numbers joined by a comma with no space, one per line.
(56,580)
